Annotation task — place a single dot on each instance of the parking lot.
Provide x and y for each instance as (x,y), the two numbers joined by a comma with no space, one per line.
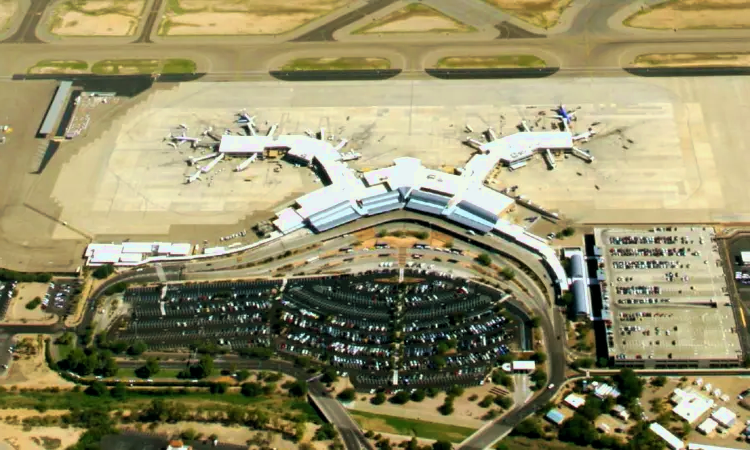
(233,314)
(59,296)
(6,293)
(430,329)
(666,292)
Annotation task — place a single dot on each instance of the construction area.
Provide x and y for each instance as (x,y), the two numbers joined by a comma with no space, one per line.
(665,298)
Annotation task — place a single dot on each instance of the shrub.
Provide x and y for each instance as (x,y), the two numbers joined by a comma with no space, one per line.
(33,304)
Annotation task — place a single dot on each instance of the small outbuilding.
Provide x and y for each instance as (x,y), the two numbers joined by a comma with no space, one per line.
(620,412)
(574,401)
(555,416)
(724,417)
(708,426)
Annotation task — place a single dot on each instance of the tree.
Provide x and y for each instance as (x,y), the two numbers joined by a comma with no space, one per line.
(529,428)
(455,391)
(442,348)
(432,392)
(442,445)
(149,369)
(508,273)
(591,409)
(486,402)
(577,430)
(103,272)
(568,231)
(535,322)
(243,375)
(446,408)
(539,357)
(118,391)
(401,398)
(326,432)
(347,395)
(251,389)
(659,381)
(137,348)
(298,388)
(539,377)
(218,388)
(329,376)
(418,395)
(204,368)
(503,402)
(33,304)
(438,361)
(96,389)
(378,399)
(584,363)
(484,259)
(629,385)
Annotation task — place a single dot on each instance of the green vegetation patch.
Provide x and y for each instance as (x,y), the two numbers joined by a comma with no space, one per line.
(410,11)
(59,66)
(490,62)
(411,427)
(117,7)
(692,59)
(352,63)
(179,66)
(125,66)
(142,66)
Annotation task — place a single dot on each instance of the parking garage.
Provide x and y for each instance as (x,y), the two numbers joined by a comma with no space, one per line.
(666,294)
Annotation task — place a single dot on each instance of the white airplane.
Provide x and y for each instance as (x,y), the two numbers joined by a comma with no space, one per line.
(585,136)
(194,177)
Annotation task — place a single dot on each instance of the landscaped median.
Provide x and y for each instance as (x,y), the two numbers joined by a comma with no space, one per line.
(115,66)
(490,67)
(336,68)
(490,62)
(344,63)
(708,59)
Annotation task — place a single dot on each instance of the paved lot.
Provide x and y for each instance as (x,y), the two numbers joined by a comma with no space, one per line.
(346,321)
(685,133)
(667,293)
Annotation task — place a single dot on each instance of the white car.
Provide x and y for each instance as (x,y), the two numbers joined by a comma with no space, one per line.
(551,386)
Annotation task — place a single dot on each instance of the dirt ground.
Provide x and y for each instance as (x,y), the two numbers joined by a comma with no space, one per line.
(730,386)
(232,17)
(17,311)
(692,59)
(97,18)
(14,437)
(31,370)
(414,18)
(240,435)
(7,9)
(692,14)
(540,13)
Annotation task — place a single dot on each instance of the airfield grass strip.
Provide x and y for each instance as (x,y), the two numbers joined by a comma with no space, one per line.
(490,62)
(353,63)
(411,427)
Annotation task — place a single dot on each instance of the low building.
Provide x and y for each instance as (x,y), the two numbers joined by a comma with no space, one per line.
(620,412)
(690,405)
(178,445)
(574,401)
(603,390)
(555,416)
(724,417)
(745,258)
(672,441)
(708,426)
(694,446)
(523,366)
